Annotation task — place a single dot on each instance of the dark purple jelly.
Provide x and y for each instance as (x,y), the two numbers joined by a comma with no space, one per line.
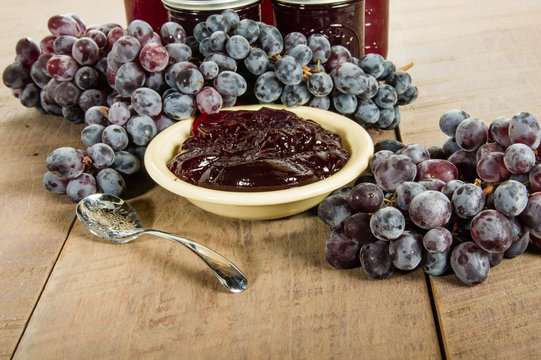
(189,13)
(261,150)
(342,21)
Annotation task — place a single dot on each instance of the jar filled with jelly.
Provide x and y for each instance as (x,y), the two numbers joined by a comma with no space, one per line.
(376,32)
(151,11)
(189,13)
(341,21)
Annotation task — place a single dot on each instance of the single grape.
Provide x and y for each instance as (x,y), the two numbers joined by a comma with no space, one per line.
(154,57)
(63,45)
(178,52)
(66,94)
(373,64)
(367,111)
(470,263)
(320,84)
(115,136)
(510,198)
(408,96)
(81,187)
(386,97)
(63,25)
(491,168)
(130,76)
(344,103)
(320,46)
(92,97)
(247,28)
(395,170)
(531,214)
(237,47)
(406,250)
(91,134)
(521,239)
(342,252)
(524,128)
(366,197)
(405,192)
(339,54)
(126,163)
(468,200)
(487,149)
(99,38)
(437,169)
(109,181)
(179,106)
(146,101)
(267,87)
(86,78)
(491,231)
(208,100)
(399,80)
(334,210)
(230,83)
(256,61)
(102,155)
(30,95)
(217,41)
(465,162)
(416,152)
(376,261)
(126,49)
(119,113)
(432,184)
(430,209)
(357,228)
(450,120)
(289,70)
(451,186)
(65,163)
(320,102)
(85,51)
(171,73)
(172,32)
(62,67)
(295,95)
(387,223)
(302,53)
(519,158)
(436,264)
(471,133)
(54,184)
(499,131)
(216,22)
(271,40)
(141,30)
(231,19)
(209,69)
(141,129)
(437,240)
(348,78)
(535,178)
(190,81)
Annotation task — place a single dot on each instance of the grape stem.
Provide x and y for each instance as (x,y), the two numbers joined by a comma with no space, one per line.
(406,67)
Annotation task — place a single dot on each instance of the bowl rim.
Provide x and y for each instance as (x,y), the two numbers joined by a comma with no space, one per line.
(360,152)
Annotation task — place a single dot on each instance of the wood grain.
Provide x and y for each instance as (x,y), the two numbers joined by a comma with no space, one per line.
(34,223)
(152,298)
(481,57)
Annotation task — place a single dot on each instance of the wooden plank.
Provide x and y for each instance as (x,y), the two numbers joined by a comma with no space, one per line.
(153,298)
(481,58)
(34,223)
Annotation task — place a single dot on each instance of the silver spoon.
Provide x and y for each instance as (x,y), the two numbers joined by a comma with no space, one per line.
(113,219)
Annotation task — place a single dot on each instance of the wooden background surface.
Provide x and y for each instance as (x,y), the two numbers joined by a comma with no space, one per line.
(67,295)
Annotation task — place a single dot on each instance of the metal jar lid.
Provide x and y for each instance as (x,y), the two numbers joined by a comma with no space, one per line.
(313,2)
(207,5)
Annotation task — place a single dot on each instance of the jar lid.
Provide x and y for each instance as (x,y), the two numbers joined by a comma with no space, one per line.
(312,2)
(205,5)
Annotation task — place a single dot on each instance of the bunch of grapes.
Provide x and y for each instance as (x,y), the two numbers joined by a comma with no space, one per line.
(295,70)
(461,207)
(126,85)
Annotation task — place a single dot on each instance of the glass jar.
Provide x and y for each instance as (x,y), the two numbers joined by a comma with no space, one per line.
(342,21)
(151,11)
(376,32)
(189,13)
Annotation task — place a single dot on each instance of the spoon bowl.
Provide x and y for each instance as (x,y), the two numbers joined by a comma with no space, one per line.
(113,219)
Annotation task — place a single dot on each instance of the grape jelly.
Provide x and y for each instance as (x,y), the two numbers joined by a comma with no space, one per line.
(189,13)
(341,21)
(259,150)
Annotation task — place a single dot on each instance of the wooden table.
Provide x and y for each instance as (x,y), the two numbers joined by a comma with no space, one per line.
(67,295)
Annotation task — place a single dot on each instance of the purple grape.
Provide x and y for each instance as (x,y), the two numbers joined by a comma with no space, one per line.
(395,170)
(357,228)
(81,187)
(491,231)
(519,158)
(376,261)
(471,134)
(449,121)
(54,184)
(387,223)
(65,163)
(470,263)
(487,149)
(443,170)
(436,264)
(146,101)
(468,200)
(491,168)
(341,252)
(531,214)
(437,240)
(109,181)
(405,192)
(406,250)
(524,128)
(334,210)
(499,131)
(366,197)
(510,198)
(430,209)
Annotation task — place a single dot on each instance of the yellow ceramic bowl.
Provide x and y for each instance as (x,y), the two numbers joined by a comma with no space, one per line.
(269,204)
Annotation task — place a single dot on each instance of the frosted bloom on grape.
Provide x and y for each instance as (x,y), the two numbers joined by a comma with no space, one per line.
(430,209)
